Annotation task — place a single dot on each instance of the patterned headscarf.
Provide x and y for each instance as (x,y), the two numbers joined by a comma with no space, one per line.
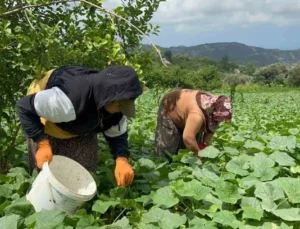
(216,109)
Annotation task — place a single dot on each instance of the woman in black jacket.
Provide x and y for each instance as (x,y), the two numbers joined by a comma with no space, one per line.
(63,112)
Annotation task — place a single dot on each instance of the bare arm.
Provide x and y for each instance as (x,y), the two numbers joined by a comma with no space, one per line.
(192,127)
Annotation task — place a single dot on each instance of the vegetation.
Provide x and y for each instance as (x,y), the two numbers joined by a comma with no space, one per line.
(48,35)
(249,178)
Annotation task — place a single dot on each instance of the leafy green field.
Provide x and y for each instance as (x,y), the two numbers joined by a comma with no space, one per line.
(249,178)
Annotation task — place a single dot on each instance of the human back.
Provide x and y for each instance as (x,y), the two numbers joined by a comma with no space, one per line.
(179,104)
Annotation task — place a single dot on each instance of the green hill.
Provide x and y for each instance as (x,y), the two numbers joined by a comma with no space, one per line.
(238,52)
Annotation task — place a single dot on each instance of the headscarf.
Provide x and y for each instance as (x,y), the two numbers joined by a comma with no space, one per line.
(216,109)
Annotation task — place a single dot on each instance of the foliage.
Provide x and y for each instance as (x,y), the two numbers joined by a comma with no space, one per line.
(168,55)
(249,178)
(206,78)
(237,79)
(37,39)
(250,69)
(275,73)
(190,63)
(294,76)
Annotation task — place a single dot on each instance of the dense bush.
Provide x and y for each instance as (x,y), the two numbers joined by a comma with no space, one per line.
(294,76)
(237,79)
(272,74)
(207,78)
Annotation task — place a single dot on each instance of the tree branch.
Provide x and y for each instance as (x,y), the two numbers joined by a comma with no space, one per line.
(33,6)
(27,18)
(124,19)
(89,3)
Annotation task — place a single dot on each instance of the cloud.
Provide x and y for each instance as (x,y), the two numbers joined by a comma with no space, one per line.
(219,14)
(187,15)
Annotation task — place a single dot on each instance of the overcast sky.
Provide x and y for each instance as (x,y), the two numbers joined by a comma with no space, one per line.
(262,23)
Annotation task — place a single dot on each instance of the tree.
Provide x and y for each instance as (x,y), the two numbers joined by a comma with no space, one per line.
(237,79)
(250,69)
(294,76)
(224,64)
(212,77)
(39,35)
(168,55)
(269,74)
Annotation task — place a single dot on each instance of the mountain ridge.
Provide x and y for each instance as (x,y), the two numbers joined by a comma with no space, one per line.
(238,52)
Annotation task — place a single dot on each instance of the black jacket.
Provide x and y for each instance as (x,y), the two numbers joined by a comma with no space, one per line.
(89,91)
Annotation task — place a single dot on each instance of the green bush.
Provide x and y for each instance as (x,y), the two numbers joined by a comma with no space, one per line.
(237,79)
(294,76)
(207,78)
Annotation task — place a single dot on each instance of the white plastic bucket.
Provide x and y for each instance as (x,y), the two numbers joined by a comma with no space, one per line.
(64,184)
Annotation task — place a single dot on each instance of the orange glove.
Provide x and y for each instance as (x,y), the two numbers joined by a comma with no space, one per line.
(44,153)
(123,172)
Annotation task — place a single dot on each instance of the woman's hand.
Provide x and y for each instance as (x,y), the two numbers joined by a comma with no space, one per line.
(44,153)
(123,172)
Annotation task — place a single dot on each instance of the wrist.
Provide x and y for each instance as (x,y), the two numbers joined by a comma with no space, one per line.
(122,159)
(43,142)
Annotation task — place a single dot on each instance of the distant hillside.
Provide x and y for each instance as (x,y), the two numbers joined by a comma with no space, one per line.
(238,52)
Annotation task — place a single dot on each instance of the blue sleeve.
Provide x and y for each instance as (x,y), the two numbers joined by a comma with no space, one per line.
(118,145)
(30,120)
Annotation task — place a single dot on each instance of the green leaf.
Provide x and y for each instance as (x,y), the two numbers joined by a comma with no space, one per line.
(120,224)
(30,220)
(248,182)
(164,197)
(265,174)
(226,219)
(252,208)
(231,151)
(262,166)
(239,165)
(197,223)
(260,160)
(123,223)
(193,189)
(49,219)
(283,143)
(284,226)
(291,214)
(4,205)
(85,221)
(9,222)
(268,193)
(254,145)
(206,177)
(164,218)
(282,159)
(103,205)
(238,138)
(295,169)
(291,187)
(227,192)
(210,152)
(175,175)
(148,226)
(5,191)
(266,225)
(294,131)
(17,171)
(21,207)
(146,163)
